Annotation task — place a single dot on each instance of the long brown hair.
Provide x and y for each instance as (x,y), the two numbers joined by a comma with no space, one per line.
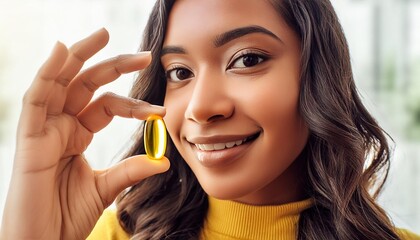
(347,153)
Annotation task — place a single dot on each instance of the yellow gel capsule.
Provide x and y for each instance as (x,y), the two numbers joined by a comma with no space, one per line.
(155,137)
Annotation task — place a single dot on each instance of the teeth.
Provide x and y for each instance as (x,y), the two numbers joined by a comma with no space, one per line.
(207,147)
(230,144)
(218,146)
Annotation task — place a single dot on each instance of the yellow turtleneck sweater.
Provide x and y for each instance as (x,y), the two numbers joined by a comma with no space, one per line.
(229,220)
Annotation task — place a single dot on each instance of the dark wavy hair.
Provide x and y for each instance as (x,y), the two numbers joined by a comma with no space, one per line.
(347,154)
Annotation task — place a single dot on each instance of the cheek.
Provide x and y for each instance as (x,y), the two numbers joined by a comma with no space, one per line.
(175,109)
(273,106)
(276,109)
(288,132)
(170,116)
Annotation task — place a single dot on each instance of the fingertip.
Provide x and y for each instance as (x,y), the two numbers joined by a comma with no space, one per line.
(60,45)
(165,162)
(59,49)
(103,29)
(54,62)
(104,36)
(157,109)
(145,57)
(160,165)
(142,112)
(160,110)
(100,39)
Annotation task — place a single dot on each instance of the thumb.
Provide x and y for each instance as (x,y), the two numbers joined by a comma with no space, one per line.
(126,173)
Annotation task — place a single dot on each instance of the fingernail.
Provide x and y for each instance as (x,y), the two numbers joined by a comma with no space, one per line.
(160,110)
(144,53)
(141,102)
(158,106)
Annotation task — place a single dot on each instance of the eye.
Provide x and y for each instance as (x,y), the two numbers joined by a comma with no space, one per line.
(248,60)
(177,74)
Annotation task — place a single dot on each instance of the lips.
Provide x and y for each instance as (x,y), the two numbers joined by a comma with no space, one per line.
(218,151)
(225,145)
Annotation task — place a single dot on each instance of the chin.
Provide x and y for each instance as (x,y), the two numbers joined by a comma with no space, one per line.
(226,191)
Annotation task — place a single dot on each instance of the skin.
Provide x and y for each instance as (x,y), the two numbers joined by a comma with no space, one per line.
(212,97)
(53,193)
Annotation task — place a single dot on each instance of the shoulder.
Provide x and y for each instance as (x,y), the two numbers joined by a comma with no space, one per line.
(407,235)
(108,228)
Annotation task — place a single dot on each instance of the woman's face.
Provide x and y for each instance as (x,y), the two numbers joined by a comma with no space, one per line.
(232,98)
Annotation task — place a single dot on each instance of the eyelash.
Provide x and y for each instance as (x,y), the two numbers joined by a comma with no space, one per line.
(175,68)
(264,57)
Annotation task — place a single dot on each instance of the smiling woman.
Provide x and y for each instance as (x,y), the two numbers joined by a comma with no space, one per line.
(263,110)
(268,137)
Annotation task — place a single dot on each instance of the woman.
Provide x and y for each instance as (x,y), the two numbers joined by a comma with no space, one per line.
(268,137)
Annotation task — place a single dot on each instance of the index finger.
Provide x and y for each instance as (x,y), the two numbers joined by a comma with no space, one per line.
(82,88)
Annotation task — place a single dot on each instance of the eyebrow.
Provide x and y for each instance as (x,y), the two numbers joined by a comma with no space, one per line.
(233,34)
(172,49)
(224,38)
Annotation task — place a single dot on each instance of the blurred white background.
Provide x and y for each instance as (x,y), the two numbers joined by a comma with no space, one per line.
(384,40)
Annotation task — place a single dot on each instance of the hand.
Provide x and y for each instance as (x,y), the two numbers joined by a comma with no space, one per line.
(53,193)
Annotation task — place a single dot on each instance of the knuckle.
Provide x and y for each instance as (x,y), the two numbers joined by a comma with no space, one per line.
(29,100)
(118,62)
(108,96)
(63,81)
(77,56)
(90,85)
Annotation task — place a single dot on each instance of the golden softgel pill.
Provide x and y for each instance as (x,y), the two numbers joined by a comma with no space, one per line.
(155,137)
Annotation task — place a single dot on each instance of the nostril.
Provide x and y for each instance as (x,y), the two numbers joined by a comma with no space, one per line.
(216,118)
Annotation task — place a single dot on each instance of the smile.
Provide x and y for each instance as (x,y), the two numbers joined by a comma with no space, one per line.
(221,146)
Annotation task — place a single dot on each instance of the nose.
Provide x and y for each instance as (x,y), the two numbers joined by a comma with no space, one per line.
(210,100)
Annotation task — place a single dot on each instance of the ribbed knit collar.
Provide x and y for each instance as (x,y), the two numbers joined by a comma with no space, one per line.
(233,220)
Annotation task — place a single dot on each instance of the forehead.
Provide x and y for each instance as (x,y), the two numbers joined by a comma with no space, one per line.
(195,20)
